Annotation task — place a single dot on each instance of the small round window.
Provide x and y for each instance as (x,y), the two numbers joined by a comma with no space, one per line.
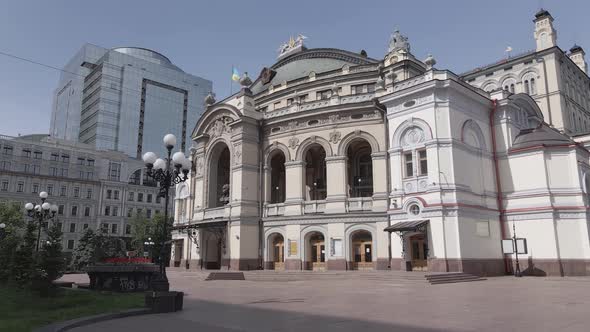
(414,209)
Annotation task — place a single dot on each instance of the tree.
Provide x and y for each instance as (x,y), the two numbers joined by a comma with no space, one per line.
(25,257)
(158,237)
(52,262)
(83,255)
(141,230)
(107,247)
(12,216)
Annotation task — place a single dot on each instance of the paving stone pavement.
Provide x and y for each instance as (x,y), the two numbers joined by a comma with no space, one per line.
(371,301)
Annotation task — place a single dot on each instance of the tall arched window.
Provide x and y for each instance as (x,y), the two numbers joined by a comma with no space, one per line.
(219,176)
(277,177)
(315,173)
(509,84)
(360,169)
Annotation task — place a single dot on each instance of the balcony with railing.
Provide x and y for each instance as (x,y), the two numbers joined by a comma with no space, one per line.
(356,204)
(272,210)
(312,207)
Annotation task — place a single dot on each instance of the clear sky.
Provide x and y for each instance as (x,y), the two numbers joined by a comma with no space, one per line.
(205,38)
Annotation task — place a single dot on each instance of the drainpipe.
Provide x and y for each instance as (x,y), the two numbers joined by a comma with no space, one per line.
(387,174)
(260,196)
(501,217)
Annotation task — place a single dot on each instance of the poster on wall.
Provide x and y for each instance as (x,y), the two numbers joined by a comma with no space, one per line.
(521,246)
(507,246)
(336,247)
(293,248)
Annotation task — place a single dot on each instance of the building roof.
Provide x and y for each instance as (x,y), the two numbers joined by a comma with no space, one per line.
(542,135)
(301,64)
(147,55)
(504,61)
(542,13)
(576,48)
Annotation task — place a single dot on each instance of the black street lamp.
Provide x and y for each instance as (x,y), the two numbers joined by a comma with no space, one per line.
(161,171)
(41,213)
(149,244)
(517,272)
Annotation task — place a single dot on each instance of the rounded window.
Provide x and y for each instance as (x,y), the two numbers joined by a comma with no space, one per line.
(414,209)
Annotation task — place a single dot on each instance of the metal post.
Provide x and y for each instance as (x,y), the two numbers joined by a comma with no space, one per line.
(517,270)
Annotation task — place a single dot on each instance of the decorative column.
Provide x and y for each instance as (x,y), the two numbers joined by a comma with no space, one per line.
(379,185)
(294,187)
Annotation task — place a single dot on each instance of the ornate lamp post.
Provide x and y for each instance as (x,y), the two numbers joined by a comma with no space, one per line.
(168,176)
(41,213)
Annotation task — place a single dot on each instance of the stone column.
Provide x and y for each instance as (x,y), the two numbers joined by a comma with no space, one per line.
(336,184)
(379,181)
(294,187)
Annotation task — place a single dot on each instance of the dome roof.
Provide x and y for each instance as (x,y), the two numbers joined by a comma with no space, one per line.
(542,135)
(301,64)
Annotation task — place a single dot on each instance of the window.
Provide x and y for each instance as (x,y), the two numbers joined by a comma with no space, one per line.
(362,88)
(63,191)
(81,161)
(139,211)
(302,99)
(148,213)
(36,169)
(129,213)
(64,172)
(322,95)
(76,192)
(74,211)
(5,165)
(277,105)
(81,175)
(289,101)
(85,227)
(49,189)
(149,198)
(72,228)
(27,168)
(89,175)
(116,194)
(90,162)
(20,187)
(130,196)
(104,228)
(60,210)
(35,188)
(114,229)
(109,194)
(27,153)
(89,194)
(87,211)
(8,150)
(140,197)
(107,210)
(4,185)
(115,211)
(54,157)
(114,171)
(65,158)
(414,209)
(60,226)
(38,155)
(409,163)
(127,229)
(158,199)
(53,171)
(422,162)
(70,244)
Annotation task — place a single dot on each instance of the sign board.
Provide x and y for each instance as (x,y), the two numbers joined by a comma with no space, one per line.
(336,248)
(507,246)
(293,248)
(145,254)
(521,246)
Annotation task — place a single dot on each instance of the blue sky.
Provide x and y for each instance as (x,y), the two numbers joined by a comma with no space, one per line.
(205,38)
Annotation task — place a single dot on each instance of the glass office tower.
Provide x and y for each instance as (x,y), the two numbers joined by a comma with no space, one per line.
(126,99)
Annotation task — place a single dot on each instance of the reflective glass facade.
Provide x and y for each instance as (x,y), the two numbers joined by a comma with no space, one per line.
(130,98)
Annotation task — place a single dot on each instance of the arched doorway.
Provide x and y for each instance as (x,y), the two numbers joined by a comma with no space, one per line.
(276,252)
(360,169)
(315,252)
(212,250)
(277,178)
(361,250)
(315,173)
(219,176)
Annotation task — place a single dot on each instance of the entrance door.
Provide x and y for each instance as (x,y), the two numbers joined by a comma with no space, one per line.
(178,244)
(318,255)
(418,247)
(363,256)
(279,261)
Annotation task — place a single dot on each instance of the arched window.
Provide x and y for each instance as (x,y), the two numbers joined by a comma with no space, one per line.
(509,84)
(277,178)
(315,173)
(360,169)
(219,176)
(533,88)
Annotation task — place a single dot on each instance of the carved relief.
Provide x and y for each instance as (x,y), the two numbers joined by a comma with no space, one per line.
(413,136)
(293,142)
(237,154)
(335,137)
(423,184)
(220,127)
(199,166)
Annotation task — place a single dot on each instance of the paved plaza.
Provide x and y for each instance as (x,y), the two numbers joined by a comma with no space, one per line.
(367,301)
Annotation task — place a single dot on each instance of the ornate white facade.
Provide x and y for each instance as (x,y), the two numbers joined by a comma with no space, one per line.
(334,160)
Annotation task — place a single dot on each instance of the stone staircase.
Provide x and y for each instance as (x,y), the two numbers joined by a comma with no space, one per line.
(451,278)
(226,276)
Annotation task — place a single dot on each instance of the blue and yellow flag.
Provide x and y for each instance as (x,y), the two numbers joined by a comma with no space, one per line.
(235,74)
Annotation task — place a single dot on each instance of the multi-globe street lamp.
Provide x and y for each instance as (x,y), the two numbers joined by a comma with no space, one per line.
(149,243)
(41,213)
(169,172)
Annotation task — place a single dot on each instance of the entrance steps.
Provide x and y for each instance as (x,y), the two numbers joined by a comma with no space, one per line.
(226,276)
(450,278)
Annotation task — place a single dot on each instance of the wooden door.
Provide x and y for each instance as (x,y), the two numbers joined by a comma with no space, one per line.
(418,247)
(279,260)
(362,256)
(318,255)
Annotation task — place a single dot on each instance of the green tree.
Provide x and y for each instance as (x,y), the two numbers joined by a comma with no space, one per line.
(25,257)
(141,230)
(157,235)
(107,247)
(83,255)
(11,215)
(52,262)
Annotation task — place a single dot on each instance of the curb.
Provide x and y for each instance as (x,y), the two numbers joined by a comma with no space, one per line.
(70,324)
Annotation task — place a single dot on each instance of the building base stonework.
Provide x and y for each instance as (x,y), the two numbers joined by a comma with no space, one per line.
(382,264)
(553,267)
(292,264)
(244,264)
(336,265)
